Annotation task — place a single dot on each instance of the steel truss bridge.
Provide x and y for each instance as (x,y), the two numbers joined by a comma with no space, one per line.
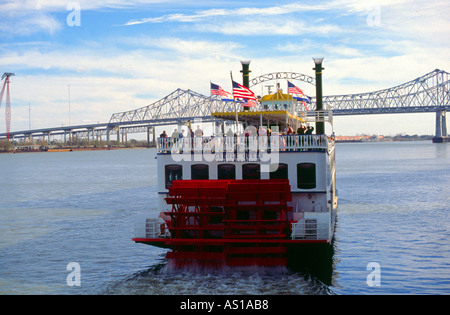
(428,93)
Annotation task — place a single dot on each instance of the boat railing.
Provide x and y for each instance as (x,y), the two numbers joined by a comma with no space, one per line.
(241,144)
(149,228)
(310,229)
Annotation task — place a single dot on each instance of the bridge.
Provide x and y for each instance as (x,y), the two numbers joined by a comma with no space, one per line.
(428,93)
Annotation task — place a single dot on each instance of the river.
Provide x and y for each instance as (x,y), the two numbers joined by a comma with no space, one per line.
(392,234)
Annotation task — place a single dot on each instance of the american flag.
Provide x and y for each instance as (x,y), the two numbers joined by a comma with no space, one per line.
(240,91)
(292,89)
(217,90)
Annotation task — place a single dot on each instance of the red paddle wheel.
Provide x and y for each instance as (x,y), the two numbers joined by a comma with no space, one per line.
(236,222)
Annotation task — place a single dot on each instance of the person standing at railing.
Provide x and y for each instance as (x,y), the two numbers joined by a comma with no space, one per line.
(163,137)
(289,130)
(175,135)
(190,142)
(300,132)
(199,132)
(181,136)
(309,130)
(289,140)
(198,141)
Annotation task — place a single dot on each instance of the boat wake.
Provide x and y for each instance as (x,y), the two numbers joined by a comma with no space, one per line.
(166,278)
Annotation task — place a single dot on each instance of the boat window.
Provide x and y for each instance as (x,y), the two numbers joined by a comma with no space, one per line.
(251,171)
(279,171)
(306,175)
(226,171)
(199,171)
(173,172)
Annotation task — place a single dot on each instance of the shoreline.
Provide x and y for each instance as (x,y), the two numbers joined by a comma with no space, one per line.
(69,150)
(386,139)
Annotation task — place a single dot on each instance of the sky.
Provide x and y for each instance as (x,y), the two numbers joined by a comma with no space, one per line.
(78,62)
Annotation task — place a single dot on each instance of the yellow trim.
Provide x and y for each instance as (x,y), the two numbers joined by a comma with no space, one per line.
(277,96)
(257,114)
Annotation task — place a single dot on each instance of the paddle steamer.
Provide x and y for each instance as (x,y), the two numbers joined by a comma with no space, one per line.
(259,197)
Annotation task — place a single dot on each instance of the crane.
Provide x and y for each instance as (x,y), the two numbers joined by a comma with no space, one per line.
(6,76)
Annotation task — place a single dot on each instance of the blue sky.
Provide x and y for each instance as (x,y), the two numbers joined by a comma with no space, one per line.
(128,54)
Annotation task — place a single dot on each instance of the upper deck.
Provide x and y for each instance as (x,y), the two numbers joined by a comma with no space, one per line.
(256,139)
(245,144)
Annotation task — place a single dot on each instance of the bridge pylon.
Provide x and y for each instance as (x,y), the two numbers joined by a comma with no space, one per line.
(441,127)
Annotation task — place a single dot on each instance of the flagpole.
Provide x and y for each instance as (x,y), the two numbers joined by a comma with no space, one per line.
(294,109)
(234,101)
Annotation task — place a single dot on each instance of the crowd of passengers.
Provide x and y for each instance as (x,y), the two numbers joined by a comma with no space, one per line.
(250,131)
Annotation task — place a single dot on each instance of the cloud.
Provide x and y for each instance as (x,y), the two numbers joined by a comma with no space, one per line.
(252,12)
(130,67)
(106,80)
(183,47)
(268,28)
(58,5)
(144,56)
(26,23)
(28,17)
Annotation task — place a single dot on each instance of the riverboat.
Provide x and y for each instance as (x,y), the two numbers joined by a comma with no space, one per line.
(259,197)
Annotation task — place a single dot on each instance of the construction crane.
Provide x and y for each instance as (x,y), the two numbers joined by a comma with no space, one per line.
(6,76)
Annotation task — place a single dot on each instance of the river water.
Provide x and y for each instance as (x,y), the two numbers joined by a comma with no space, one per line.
(392,234)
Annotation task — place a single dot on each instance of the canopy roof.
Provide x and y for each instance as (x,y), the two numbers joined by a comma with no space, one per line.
(278,96)
(255,117)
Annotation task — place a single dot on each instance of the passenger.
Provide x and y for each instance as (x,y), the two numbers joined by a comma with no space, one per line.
(229,133)
(164,141)
(251,131)
(181,136)
(262,131)
(309,130)
(175,134)
(301,130)
(289,130)
(262,138)
(198,132)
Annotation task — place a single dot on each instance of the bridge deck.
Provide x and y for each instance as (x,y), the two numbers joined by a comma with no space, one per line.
(428,93)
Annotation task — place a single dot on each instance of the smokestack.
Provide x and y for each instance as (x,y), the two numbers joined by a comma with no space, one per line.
(320,128)
(245,76)
(245,73)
